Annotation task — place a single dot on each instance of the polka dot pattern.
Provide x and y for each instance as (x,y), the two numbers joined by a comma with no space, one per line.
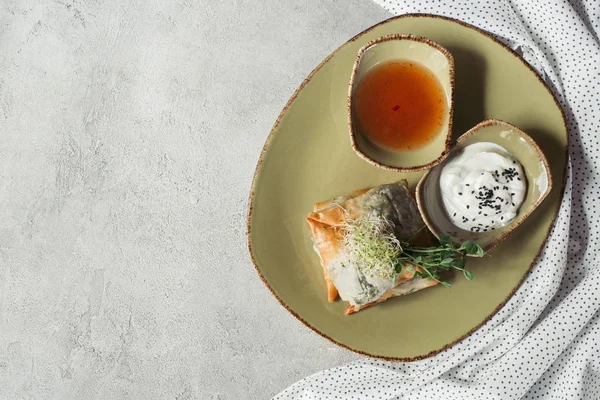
(544,343)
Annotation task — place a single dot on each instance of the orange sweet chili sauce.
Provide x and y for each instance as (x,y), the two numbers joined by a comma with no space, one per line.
(400,105)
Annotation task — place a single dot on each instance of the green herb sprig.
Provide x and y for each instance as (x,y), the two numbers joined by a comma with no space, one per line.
(443,257)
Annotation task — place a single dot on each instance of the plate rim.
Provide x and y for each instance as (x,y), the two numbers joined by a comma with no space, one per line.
(276,124)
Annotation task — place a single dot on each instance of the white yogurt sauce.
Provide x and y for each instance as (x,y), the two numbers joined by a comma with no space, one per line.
(482,187)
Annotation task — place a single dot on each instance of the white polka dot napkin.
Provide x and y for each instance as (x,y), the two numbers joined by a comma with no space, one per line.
(545,342)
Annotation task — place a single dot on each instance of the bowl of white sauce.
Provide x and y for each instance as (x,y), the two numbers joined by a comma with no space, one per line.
(494,177)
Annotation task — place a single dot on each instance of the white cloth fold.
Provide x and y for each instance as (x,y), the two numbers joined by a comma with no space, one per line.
(545,342)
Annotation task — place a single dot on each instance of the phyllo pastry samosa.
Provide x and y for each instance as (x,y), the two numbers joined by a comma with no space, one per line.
(359,239)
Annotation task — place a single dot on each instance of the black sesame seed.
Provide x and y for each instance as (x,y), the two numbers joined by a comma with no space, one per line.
(468,207)
(460,193)
(454,215)
(501,218)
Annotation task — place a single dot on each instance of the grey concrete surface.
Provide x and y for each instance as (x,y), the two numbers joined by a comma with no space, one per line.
(129,132)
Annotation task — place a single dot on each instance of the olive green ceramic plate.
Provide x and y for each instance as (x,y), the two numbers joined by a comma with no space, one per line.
(308,158)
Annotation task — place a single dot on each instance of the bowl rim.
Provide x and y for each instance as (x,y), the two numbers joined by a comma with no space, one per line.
(401,37)
(516,223)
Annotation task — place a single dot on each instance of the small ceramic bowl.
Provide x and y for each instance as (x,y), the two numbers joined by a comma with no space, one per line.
(516,142)
(403,48)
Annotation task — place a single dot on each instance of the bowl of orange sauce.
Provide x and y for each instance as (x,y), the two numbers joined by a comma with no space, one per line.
(400,102)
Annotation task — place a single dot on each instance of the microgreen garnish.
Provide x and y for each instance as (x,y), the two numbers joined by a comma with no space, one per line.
(443,257)
(371,245)
(375,250)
